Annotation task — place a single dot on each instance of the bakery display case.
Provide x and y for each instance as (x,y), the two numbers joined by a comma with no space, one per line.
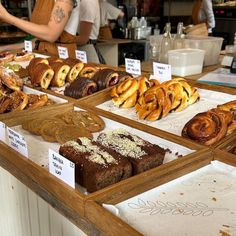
(170,207)
(115,183)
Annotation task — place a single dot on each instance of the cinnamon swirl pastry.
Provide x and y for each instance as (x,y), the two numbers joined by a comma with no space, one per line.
(105,78)
(207,127)
(42,75)
(81,88)
(61,70)
(75,67)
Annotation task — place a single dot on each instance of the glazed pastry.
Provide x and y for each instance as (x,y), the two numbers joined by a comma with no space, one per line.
(42,75)
(19,101)
(6,57)
(36,61)
(35,101)
(125,94)
(23,56)
(106,78)
(61,70)
(75,67)
(81,88)
(207,127)
(88,71)
(5,102)
(123,75)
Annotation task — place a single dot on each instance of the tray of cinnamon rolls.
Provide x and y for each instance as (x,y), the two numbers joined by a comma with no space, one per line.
(176,107)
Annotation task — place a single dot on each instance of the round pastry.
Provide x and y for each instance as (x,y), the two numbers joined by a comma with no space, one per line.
(6,57)
(42,75)
(206,128)
(23,56)
(61,70)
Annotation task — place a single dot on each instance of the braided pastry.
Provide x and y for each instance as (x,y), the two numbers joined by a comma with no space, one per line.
(60,72)
(125,94)
(42,75)
(207,127)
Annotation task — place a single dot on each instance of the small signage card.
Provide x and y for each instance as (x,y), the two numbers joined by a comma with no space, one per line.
(63,52)
(81,55)
(162,71)
(17,142)
(28,46)
(133,66)
(2,132)
(62,168)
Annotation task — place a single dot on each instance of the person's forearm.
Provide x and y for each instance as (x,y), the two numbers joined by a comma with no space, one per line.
(44,32)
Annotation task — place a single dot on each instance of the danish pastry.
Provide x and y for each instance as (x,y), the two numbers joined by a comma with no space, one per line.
(61,70)
(23,56)
(6,57)
(42,75)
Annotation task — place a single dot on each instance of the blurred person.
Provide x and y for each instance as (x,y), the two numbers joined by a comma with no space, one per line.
(202,12)
(53,23)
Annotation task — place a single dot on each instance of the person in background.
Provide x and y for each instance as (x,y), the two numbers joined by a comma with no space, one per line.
(53,23)
(202,12)
(89,25)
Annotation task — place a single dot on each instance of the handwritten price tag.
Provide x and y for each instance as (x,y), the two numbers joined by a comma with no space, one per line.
(162,71)
(2,132)
(17,142)
(81,55)
(62,168)
(133,66)
(28,46)
(63,52)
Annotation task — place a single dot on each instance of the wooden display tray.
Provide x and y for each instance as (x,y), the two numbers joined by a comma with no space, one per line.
(97,214)
(227,146)
(91,102)
(71,202)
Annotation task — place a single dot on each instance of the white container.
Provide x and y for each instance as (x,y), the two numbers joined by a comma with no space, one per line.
(211,46)
(186,61)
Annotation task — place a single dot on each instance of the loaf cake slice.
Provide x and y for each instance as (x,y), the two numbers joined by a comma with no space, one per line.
(96,167)
(142,154)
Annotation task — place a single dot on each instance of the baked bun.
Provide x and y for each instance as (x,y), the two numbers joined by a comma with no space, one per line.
(42,75)
(23,56)
(75,67)
(61,70)
(6,57)
(36,61)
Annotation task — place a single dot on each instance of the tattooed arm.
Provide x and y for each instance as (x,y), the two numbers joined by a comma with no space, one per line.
(50,32)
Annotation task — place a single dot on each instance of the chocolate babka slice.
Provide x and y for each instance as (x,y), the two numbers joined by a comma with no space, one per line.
(80,87)
(142,154)
(96,166)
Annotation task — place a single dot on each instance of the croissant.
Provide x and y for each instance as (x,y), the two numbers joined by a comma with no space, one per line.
(36,61)
(81,88)
(42,75)
(61,70)
(207,127)
(105,78)
(76,66)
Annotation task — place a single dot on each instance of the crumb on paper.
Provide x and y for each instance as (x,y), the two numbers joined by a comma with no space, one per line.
(223,233)
(181,193)
(214,181)
(214,199)
(163,193)
(227,226)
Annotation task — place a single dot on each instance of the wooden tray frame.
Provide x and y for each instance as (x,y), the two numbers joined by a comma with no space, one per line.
(98,215)
(70,202)
(90,103)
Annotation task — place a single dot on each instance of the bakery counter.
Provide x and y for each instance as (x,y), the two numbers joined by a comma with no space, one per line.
(33,172)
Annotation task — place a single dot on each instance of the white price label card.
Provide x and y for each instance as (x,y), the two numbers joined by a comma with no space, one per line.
(133,66)
(162,71)
(62,52)
(81,55)
(28,45)
(62,168)
(17,142)
(2,132)
(227,61)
